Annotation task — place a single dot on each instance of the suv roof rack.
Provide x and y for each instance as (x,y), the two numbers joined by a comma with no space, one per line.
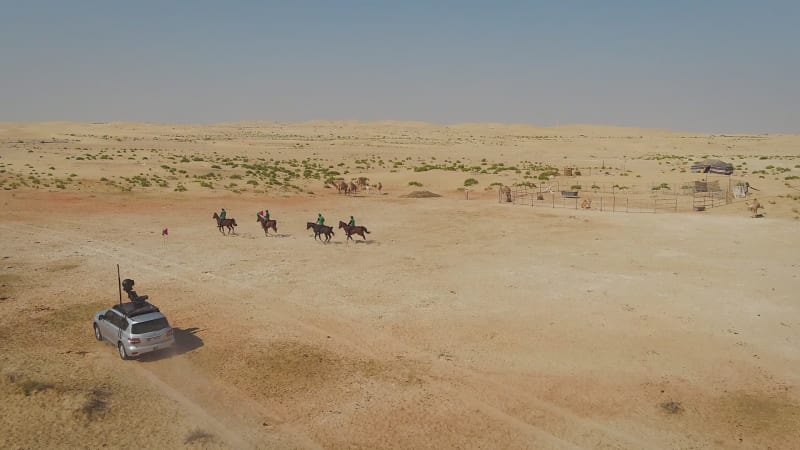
(132,309)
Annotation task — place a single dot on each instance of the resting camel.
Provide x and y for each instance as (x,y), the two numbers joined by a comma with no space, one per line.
(754,207)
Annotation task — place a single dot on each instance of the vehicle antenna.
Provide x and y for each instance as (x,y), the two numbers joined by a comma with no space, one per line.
(119,285)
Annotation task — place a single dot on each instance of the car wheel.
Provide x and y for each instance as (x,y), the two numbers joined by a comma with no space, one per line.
(122,353)
(97,334)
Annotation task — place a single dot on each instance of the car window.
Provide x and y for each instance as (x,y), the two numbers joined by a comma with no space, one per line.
(109,315)
(117,320)
(149,326)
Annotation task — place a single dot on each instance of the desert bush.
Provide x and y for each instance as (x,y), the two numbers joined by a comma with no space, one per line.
(29,387)
(470,182)
(415,183)
(661,186)
(544,176)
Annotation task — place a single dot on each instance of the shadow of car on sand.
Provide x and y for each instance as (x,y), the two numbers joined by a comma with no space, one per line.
(186,340)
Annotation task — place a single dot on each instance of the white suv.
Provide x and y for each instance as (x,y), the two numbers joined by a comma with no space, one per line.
(135,328)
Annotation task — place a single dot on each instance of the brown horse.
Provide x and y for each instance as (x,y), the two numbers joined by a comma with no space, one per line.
(227,223)
(320,229)
(267,224)
(350,231)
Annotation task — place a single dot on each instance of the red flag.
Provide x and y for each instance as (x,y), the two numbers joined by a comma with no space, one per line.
(165,232)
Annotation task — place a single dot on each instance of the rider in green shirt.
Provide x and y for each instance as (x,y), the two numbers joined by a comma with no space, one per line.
(352,222)
(222,215)
(320,219)
(266,215)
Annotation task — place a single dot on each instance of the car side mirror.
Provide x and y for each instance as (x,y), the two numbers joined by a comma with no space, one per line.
(101,318)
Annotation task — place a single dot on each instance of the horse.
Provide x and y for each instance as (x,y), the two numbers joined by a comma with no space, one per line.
(227,223)
(349,231)
(267,224)
(320,229)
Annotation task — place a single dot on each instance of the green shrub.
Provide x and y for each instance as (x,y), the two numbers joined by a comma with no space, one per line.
(470,182)
(415,183)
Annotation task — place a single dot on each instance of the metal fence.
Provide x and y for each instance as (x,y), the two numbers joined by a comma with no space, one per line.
(611,203)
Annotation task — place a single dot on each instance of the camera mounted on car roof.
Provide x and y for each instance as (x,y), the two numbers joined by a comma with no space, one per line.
(127,286)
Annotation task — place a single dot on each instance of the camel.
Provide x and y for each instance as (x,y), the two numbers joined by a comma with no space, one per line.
(586,203)
(340,186)
(505,193)
(362,182)
(754,207)
(351,188)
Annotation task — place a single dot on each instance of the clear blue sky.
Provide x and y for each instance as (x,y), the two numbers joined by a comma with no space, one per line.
(704,65)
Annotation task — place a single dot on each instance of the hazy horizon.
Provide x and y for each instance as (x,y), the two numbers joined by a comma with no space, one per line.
(717,67)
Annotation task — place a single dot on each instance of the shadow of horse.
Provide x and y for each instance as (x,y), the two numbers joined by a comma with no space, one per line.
(186,340)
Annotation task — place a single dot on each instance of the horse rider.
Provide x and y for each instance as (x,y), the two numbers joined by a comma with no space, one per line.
(352,222)
(222,216)
(320,219)
(266,215)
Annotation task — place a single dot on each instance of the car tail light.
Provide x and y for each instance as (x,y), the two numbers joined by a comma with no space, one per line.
(134,340)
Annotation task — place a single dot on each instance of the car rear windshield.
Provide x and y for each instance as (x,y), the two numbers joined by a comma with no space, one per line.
(149,326)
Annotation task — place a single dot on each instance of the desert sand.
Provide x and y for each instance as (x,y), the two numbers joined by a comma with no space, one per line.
(460,322)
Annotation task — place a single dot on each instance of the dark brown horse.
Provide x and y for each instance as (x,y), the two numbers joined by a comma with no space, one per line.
(267,224)
(227,223)
(320,229)
(350,231)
